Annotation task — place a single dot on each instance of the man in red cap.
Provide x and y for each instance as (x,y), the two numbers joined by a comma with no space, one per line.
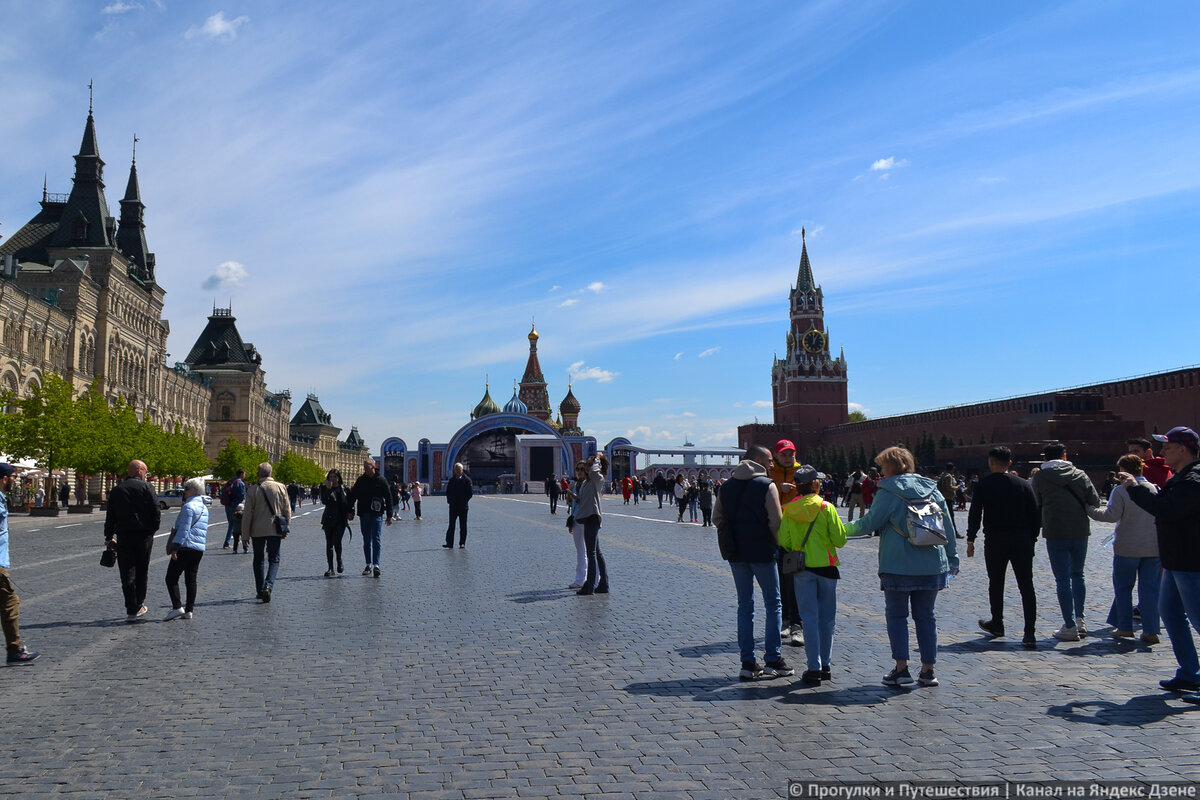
(783,467)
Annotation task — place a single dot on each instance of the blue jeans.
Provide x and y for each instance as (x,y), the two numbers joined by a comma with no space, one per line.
(271,545)
(1179,603)
(1066,562)
(229,511)
(371,526)
(896,604)
(1146,572)
(744,576)
(816,597)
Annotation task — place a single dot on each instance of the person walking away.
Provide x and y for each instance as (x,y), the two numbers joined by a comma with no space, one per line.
(553,492)
(373,498)
(459,491)
(416,498)
(1006,507)
(1065,493)
(813,527)
(233,494)
(660,487)
(748,507)
(130,522)
(10,603)
(1135,555)
(705,490)
(335,519)
(947,483)
(64,494)
(264,501)
(909,575)
(591,488)
(782,468)
(186,546)
(1176,511)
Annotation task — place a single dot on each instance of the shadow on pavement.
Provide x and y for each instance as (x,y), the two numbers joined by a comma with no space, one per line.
(1134,712)
(540,595)
(712,649)
(786,690)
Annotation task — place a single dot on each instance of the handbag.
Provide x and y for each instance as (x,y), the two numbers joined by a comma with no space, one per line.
(280,521)
(792,562)
(109,557)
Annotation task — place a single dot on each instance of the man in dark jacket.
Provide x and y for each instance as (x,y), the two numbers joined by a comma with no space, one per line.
(1006,506)
(748,503)
(553,491)
(373,498)
(1064,493)
(458,494)
(130,523)
(1176,510)
(232,496)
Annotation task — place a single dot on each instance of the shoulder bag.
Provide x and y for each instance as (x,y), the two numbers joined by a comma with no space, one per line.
(280,521)
(792,561)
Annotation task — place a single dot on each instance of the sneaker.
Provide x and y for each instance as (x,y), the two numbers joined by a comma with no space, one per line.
(174,613)
(1178,684)
(23,656)
(341,569)
(447,545)
(186,615)
(780,669)
(328,573)
(926,678)
(1120,634)
(897,677)
(366,570)
(575,586)
(797,637)
(1079,626)
(132,618)
(462,546)
(827,673)
(266,595)
(1029,643)
(602,588)
(811,677)
(992,628)
(1150,638)
(1067,633)
(141,612)
(751,671)
(376,572)
(225,547)
(586,590)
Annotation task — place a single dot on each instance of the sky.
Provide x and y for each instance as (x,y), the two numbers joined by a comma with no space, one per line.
(999,198)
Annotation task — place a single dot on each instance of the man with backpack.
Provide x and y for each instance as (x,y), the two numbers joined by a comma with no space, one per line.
(233,494)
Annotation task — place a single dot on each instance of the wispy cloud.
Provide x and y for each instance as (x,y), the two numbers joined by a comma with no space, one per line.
(216,27)
(885,164)
(120,7)
(678,356)
(227,275)
(570,301)
(596,287)
(712,351)
(579,372)
(761,404)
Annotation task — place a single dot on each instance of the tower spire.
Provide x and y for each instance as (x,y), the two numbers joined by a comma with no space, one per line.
(804,278)
(131,236)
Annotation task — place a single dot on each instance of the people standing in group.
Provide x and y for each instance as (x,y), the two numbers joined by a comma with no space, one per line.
(233,494)
(588,514)
(130,522)
(1065,493)
(782,468)
(1176,511)
(552,491)
(909,575)
(265,500)
(576,528)
(10,603)
(1135,555)
(1154,468)
(373,500)
(1005,506)
(749,504)
(415,488)
(704,491)
(813,527)
(335,519)
(459,491)
(186,545)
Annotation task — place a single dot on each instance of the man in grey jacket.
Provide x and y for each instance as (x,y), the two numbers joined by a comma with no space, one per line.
(1065,493)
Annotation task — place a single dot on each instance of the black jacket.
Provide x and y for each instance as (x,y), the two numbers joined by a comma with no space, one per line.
(1007,506)
(1176,510)
(372,495)
(459,491)
(337,508)
(132,510)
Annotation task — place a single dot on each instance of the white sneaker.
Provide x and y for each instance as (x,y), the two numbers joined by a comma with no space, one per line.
(1067,634)
(174,613)
(187,615)
(1079,626)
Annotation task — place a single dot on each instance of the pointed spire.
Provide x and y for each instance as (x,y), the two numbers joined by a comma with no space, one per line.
(804,279)
(131,236)
(85,220)
(45,185)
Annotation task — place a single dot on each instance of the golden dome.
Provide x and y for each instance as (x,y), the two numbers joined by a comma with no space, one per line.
(533,334)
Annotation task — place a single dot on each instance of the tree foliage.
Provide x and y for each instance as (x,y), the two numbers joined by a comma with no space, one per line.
(856,416)
(237,455)
(295,467)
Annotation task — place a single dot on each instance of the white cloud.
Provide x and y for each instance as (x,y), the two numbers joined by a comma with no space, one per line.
(678,356)
(761,404)
(885,164)
(596,287)
(228,275)
(644,432)
(555,288)
(712,351)
(217,27)
(857,407)
(570,301)
(120,7)
(579,372)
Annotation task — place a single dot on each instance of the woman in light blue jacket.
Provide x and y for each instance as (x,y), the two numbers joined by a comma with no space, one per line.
(908,574)
(186,545)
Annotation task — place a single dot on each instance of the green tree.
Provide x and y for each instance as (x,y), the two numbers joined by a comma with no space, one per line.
(237,455)
(856,416)
(295,467)
(45,429)
(181,455)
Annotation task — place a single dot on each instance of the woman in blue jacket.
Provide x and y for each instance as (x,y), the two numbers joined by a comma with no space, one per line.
(908,575)
(186,544)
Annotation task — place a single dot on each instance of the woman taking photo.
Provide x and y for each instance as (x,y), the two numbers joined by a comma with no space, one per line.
(576,527)
(333,518)
(186,546)
(909,575)
(588,515)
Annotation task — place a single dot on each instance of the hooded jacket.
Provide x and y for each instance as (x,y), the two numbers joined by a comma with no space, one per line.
(781,475)
(897,556)
(755,530)
(828,532)
(1176,510)
(1064,492)
(1156,471)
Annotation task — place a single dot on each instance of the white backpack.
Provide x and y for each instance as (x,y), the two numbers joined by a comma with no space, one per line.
(924,523)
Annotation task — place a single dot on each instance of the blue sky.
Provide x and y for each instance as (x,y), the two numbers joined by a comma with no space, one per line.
(999,198)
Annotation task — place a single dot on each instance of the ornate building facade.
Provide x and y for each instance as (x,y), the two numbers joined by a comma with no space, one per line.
(80,297)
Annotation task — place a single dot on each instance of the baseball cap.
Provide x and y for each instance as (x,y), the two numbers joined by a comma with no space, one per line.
(6,470)
(1180,435)
(784,444)
(806,474)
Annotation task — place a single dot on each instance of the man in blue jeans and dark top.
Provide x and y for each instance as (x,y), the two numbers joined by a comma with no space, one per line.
(1176,511)
(232,496)
(1065,493)
(748,507)
(373,498)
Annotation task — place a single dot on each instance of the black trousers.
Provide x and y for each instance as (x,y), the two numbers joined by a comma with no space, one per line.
(417,508)
(787,597)
(999,551)
(596,566)
(459,513)
(333,545)
(133,564)
(186,563)
(553,502)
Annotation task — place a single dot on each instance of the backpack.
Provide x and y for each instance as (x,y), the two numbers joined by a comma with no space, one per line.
(924,523)
(227,493)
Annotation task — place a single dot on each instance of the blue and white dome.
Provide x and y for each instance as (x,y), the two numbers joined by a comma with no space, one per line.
(515,406)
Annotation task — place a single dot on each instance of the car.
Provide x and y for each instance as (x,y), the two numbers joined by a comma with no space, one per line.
(173,498)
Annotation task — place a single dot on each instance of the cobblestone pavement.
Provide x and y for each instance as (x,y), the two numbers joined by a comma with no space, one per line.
(475,674)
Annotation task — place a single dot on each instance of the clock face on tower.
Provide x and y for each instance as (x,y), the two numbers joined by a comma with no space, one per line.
(814,341)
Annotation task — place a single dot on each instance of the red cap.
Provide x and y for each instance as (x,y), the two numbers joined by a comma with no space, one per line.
(784,444)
